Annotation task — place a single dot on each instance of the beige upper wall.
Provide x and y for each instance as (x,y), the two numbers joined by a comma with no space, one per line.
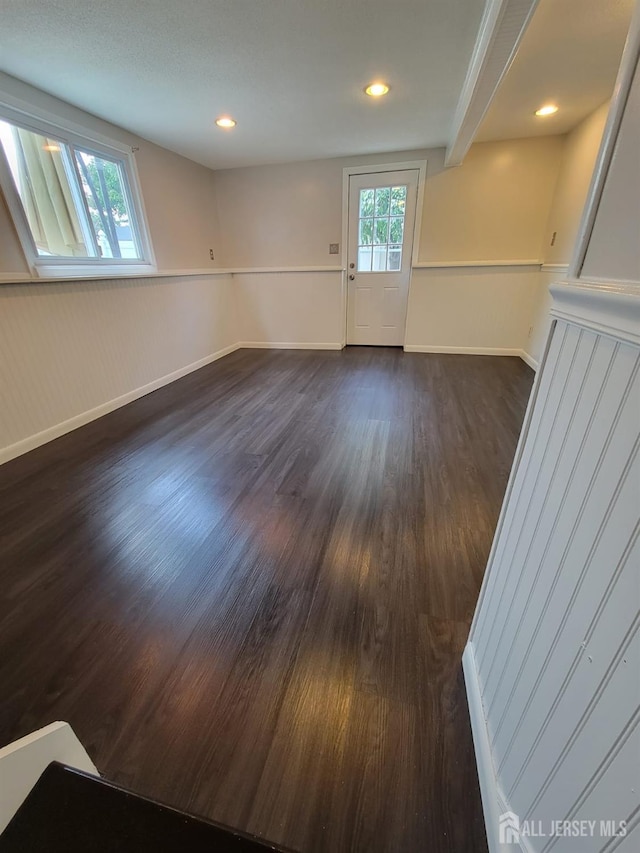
(178,194)
(578,159)
(179,200)
(613,253)
(493,207)
(287,215)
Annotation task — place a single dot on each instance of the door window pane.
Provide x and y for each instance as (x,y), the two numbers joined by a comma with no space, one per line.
(396,229)
(366,231)
(382,201)
(381,231)
(366,202)
(364,259)
(398,200)
(395,258)
(385,231)
(379,258)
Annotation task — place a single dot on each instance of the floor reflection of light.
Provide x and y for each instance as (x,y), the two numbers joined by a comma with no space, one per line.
(150,524)
(320,703)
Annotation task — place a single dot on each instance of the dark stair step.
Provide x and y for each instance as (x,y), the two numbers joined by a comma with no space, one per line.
(69,811)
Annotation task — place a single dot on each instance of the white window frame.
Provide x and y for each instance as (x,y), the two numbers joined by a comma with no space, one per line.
(72,134)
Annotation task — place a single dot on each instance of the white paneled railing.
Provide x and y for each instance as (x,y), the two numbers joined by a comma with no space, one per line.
(553,662)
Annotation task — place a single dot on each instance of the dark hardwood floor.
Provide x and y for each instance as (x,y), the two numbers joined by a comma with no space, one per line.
(249,591)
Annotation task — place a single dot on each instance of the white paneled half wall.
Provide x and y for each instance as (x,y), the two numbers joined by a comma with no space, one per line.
(553,660)
(479,308)
(291,308)
(73,351)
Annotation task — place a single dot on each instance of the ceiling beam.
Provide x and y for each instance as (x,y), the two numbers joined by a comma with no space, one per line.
(501,29)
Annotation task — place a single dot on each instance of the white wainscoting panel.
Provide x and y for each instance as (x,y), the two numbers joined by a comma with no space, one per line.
(71,351)
(555,643)
(471,309)
(540,320)
(287,309)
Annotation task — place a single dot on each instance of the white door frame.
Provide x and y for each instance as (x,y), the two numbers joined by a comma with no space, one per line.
(421,166)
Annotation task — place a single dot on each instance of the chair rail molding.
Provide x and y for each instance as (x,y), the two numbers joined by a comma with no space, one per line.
(437,265)
(27,278)
(611,309)
(557,269)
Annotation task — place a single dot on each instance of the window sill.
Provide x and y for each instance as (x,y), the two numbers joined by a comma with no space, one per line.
(109,275)
(72,271)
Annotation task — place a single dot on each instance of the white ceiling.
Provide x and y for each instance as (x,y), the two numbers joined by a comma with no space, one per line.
(290,71)
(569,56)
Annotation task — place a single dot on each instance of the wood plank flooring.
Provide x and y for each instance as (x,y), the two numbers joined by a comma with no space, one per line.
(249,591)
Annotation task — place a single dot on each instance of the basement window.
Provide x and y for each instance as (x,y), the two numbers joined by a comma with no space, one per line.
(75,202)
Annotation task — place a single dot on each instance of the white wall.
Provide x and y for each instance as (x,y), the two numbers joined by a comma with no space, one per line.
(72,351)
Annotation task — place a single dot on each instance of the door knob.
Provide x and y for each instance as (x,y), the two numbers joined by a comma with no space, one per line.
(351,277)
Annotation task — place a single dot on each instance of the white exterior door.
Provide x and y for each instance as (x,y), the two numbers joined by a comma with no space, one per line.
(382,209)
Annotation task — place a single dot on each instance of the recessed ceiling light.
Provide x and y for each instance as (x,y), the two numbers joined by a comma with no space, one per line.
(226,122)
(377,89)
(547,110)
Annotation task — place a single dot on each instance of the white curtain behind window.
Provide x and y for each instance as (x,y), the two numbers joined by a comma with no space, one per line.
(47,197)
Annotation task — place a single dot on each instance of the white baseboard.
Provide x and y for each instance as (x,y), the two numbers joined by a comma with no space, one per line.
(482,746)
(33,441)
(529,359)
(40,438)
(462,350)
(493,801)
(288,345)
(520,353)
